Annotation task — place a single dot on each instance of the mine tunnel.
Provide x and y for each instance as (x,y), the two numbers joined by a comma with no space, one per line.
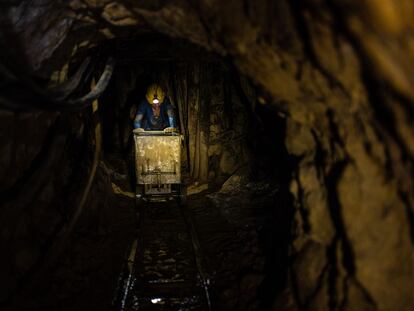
(184,155)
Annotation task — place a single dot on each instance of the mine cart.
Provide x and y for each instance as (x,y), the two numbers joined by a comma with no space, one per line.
(158,166)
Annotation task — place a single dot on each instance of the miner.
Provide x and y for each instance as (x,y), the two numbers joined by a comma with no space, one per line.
(155,112)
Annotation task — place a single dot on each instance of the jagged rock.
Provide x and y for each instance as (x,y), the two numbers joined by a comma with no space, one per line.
(310,267)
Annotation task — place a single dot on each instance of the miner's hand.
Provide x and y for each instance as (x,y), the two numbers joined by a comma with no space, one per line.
(138,130)
(170,130)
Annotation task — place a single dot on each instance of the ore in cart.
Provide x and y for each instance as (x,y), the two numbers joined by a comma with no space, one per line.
(158,166)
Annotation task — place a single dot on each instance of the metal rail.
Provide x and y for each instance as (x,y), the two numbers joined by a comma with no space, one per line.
(135,261)
(197,254)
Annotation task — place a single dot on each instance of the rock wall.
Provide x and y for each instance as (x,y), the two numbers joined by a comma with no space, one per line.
(341,73)
(45,161)
(26,139)
(215,120)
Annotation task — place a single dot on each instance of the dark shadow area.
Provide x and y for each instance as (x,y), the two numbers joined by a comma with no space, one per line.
(236,126)
(276,233)
(233,162)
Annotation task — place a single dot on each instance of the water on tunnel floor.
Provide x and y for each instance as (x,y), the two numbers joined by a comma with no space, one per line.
(166,275)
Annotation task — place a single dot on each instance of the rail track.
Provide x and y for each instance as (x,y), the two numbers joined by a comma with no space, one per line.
(164,268)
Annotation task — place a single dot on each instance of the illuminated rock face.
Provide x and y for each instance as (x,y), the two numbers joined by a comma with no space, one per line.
(342,77)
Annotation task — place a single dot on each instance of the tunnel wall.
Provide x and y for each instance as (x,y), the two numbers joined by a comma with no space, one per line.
(45,160)
(216,122)
(340,72)
(27,191)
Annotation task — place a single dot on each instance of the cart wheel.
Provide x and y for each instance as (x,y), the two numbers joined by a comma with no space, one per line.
(182,198)
(139,195)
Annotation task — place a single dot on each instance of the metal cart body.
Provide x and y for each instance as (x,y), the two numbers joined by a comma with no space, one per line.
(158,165)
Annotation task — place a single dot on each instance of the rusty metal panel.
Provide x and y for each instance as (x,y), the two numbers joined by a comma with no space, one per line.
(157,158)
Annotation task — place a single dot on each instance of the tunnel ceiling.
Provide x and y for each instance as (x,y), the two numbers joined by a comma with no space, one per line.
(265,39)
(339,72)
(157,48)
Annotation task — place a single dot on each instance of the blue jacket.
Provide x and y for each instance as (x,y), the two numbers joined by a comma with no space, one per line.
(145,117)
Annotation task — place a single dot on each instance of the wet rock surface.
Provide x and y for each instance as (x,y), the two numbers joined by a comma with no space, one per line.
(165,275)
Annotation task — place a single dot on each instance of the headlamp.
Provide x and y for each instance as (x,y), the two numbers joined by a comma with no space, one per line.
(155,100)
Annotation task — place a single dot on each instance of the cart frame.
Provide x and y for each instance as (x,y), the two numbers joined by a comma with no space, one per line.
(158,166)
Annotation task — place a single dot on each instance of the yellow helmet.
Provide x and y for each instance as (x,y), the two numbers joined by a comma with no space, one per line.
(155,94)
